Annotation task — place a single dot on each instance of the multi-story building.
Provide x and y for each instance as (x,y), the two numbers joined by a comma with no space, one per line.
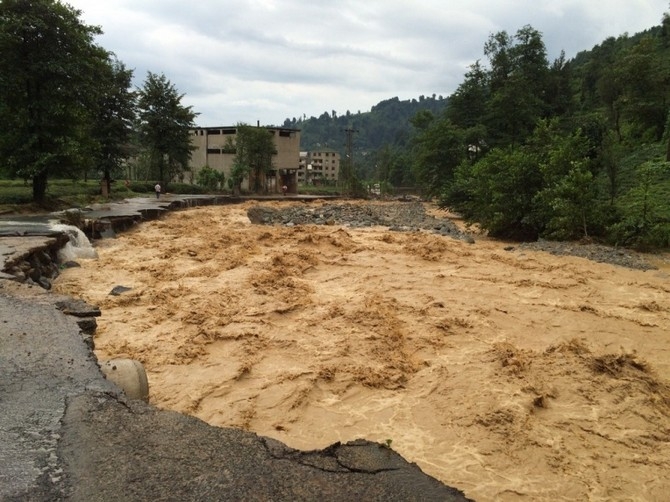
(215,147)
(319,166)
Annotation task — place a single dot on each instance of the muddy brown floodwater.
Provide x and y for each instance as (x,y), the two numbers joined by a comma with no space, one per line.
(504,373)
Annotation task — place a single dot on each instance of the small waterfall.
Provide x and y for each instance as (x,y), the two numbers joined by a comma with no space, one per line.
(78,247)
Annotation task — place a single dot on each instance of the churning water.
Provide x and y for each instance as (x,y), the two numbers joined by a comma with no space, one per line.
(78,246)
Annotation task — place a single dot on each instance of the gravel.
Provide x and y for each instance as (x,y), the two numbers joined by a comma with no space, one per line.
(411,216)
(595,252)
(397,216)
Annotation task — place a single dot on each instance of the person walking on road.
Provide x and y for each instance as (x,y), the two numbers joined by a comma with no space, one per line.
(158,190)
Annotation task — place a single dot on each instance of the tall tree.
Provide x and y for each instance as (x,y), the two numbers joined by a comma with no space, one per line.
(559,93)
(519,81)
(665,30)
(646,87)
(164,127)
(498,48)
(469,109)
(566,205)
(439,148)
(46,84)
(254,149)
(468,105)
(113,120)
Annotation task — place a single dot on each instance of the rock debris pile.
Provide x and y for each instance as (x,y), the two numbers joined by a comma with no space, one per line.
(398,216)
(594,252)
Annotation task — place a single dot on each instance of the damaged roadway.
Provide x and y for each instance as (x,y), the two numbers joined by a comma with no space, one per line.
(67,433)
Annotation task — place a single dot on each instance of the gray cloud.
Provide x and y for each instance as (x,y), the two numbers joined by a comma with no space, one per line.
(267,60)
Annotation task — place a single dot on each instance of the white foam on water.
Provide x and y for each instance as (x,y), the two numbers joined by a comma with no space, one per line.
(78,247)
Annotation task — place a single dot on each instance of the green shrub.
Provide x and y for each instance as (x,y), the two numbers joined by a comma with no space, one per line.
(645,221)
(141,187)
(15,194)
(184,188)
(210,179)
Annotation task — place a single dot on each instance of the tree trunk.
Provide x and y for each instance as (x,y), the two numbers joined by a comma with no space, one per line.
(107,184)
(39,187)
(586,233)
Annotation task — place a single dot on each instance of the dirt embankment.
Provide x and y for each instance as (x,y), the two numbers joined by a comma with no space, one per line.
(502,370)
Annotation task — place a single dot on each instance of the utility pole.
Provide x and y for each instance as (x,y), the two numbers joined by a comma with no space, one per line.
(348,178)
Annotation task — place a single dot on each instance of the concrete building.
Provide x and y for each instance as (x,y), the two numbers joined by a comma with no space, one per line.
(322,166)
(215,147)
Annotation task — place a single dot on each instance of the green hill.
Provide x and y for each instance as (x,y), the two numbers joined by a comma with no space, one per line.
(386,123)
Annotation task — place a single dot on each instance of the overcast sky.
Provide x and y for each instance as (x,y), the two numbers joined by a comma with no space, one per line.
(268,60)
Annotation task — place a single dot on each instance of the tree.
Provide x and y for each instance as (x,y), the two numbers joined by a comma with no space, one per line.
(255,148)
(665,30)
(559,93)
(210,179)
(439,148)
(47,82)
(422,120)
(164,126)
(566,206)
(498,48)
(646,220)
(519,83)
(237,175)
(383,161)
(645,87)
(498,192)
(468,107)
(113,119)
(571,201)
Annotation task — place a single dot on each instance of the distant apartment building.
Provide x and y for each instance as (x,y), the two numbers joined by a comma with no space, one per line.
(319,167)
(215,147)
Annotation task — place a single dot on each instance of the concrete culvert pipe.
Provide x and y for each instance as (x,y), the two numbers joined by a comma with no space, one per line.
(129,375)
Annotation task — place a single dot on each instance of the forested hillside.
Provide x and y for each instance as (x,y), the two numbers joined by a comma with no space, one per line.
(528,147)
(387,122)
